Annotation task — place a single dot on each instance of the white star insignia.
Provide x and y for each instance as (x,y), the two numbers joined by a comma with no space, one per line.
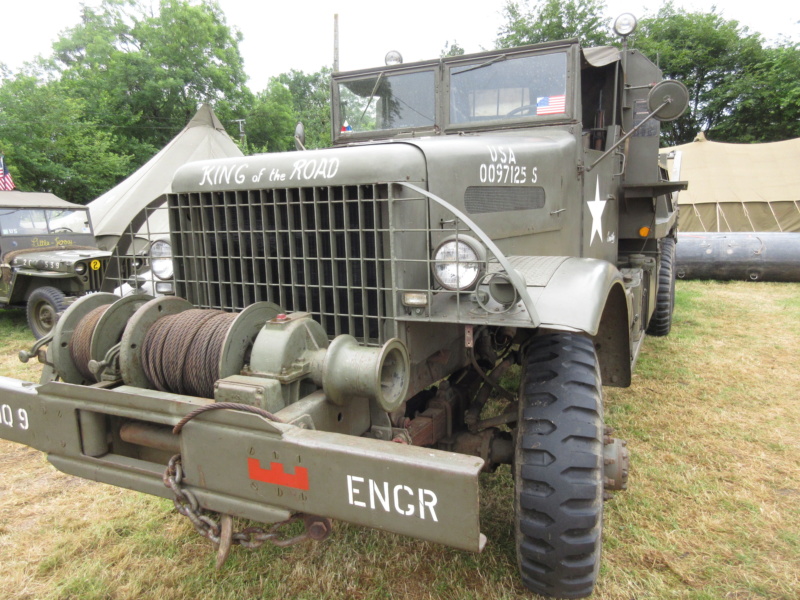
(596,207)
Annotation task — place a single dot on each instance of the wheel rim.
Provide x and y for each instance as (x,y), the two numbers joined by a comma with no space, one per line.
(45,316)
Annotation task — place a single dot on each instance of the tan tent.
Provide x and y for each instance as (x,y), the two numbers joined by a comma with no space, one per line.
(738,187)
(203,138)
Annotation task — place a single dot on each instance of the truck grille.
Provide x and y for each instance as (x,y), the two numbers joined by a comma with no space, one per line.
(321,250)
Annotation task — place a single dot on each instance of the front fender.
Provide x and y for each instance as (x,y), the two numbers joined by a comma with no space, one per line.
(585,295)
(569,293)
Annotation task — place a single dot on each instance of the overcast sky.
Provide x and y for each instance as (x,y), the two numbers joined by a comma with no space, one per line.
(279,36)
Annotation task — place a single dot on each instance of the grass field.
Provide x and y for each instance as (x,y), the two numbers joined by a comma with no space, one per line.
(713,509)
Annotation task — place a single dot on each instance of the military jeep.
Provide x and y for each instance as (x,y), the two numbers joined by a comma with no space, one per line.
(343,317)
(48,256)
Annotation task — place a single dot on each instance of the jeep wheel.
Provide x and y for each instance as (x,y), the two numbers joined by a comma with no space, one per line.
(661,321)
(44,306)
(558,467)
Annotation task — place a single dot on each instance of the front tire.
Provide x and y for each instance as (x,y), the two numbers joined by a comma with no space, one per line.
(558,467)
(45,304)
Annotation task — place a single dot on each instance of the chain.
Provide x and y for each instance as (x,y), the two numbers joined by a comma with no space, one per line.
(186,503)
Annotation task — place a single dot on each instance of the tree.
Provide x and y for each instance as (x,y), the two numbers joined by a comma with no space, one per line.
(717,59)
(453,49)
(767,108)
(551,20)
(53,144)
(311,100)
(147,73)
(271,120)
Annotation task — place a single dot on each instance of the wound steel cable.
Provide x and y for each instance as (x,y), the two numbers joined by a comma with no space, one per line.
(81,340)
(181,353)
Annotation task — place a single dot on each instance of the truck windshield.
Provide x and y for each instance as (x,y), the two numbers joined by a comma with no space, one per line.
(500,88)
(387,102)
(37,221)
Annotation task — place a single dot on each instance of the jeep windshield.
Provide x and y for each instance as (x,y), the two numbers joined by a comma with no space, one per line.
(452,93)
(40,221)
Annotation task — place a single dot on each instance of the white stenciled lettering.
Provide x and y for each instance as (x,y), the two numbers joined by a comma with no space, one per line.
(502,173)
(502,154)
(429,503)
(221,174)
(353,491)
(502,167)
(409,508)
(22,417)
(400,498)
(7,415)
(375,493)
(322,168)
(239,175)
(207,176)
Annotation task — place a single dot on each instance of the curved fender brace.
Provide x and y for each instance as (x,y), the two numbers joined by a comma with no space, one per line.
(516,279)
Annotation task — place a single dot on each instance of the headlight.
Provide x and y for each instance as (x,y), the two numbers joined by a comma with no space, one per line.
(458,262)
(161,259)
(80,268)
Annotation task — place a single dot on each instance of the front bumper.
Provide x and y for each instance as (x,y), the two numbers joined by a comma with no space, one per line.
(246,466)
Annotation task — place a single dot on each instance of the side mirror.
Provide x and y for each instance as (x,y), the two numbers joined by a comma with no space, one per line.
(668,100)
(300,137)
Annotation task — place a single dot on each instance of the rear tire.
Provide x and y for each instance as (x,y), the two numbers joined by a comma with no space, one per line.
(661,321)
(45,305)
(558,467)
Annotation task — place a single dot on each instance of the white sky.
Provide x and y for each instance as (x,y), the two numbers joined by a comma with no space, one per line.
(284,35)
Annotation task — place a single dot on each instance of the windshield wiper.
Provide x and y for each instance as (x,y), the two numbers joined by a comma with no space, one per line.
(482,65)
(371,97)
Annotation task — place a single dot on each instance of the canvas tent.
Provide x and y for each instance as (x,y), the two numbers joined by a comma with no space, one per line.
(738,187)
(203,138)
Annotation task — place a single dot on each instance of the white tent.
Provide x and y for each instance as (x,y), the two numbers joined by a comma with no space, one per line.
(738,187)
(203,138)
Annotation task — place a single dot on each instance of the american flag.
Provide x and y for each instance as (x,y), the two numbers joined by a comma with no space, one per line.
(6,183)
(551,105)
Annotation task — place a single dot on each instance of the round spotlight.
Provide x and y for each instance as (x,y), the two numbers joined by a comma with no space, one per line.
(393,57)
(625,24)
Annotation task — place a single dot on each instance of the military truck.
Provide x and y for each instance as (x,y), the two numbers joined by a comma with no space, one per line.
(47,254)
(343,317)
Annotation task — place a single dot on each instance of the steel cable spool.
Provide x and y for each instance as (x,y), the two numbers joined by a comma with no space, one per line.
(171,346)
(181,352)
(80,342)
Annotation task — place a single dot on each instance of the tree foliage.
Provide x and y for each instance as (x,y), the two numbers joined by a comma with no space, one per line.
(51,143)
(271,120)
(311,99)
(714,57)
(551,20)
(147,73)
(453,49)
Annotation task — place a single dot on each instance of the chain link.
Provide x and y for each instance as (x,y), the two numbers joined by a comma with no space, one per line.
(186,503)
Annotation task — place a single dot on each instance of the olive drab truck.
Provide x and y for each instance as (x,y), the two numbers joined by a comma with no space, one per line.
(342,317)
